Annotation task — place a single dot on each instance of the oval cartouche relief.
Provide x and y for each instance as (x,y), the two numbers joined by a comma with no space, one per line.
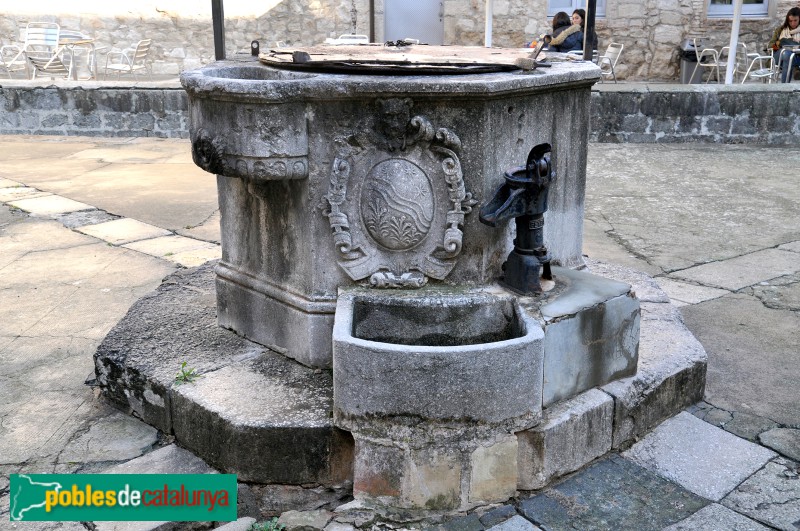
(397,204)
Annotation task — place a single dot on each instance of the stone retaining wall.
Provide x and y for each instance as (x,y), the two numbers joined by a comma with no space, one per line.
(749,114)
(110,112)
(730,114)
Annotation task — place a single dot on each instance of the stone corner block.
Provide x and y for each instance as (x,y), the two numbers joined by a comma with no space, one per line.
(494,471)
(671,376)
(591,334)
(572,433)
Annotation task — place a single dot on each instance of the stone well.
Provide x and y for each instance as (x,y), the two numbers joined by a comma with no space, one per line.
(385,350)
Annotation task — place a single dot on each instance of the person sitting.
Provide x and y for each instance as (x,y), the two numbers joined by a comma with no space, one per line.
(786,37)
(566,36)
(579,17)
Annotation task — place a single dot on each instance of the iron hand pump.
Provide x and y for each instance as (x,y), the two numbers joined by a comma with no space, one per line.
(524,197)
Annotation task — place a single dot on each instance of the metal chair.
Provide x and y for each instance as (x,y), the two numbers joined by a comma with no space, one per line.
(130,61)
(761,67)
(707,58)
(12,57)
(608,61)
(742,59)
(40,40)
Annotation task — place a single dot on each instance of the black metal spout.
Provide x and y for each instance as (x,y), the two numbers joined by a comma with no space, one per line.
(523,197)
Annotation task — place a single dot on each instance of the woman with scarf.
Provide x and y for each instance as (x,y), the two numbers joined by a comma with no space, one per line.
(566,36)
(786,37)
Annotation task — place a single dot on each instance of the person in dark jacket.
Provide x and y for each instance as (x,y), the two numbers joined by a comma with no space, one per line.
(579,17)
(566,36)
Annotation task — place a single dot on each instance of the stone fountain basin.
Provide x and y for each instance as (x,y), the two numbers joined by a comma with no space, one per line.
(440,354)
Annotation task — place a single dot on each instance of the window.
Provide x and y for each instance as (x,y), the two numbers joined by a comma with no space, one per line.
(568,6)
(750,8)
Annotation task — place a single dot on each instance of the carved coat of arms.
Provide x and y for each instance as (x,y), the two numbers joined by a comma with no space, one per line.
(396,200)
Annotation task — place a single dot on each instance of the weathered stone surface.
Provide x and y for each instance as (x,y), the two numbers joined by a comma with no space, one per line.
(272,406)
(771,495)
(498,515)
(337,526)
(378,469)
(572,434)
(136,363)
(591,334)
(737,273)
(612,494)
(432,479)
(494,471)
(167,460)
(277,499)
(785,441)
(670,377)
(703,459)
(748,426)
(715,517)
(490,382)
(463,523)
(515,523)
(305,520)
(118,437)
(247,396)
(276,210)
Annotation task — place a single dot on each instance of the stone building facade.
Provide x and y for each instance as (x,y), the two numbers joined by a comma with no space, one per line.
(651,30)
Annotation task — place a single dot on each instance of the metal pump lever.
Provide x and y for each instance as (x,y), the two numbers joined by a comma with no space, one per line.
(523,197)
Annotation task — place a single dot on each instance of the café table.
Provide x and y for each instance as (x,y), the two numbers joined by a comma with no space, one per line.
(73,42)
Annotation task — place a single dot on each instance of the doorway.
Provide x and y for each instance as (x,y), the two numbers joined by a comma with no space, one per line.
(414,19)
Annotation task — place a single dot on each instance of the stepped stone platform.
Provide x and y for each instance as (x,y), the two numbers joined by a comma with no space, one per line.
(268,418)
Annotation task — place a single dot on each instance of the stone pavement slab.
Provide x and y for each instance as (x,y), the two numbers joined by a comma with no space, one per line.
(685,293)
(515,523)
(612,494)
(49,205)
(170,459)
(679,205)
(170,196)
(196,257)
(14,193)
(118,437)
(782,293)
(716,517)
(791,246)
(122,231)
(47,170)
(783,440)
(8,183)
(164,246)
(742,271)
(702,458)
(771,496)
(753,356)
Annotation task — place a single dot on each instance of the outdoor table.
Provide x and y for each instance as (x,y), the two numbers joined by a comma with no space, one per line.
(70,44)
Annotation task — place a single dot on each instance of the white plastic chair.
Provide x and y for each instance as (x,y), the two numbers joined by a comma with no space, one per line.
(130,61)
(608,61)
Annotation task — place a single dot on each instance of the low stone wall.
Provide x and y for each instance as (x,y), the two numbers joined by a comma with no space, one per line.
(730,114)
(746,114)
(94,111)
